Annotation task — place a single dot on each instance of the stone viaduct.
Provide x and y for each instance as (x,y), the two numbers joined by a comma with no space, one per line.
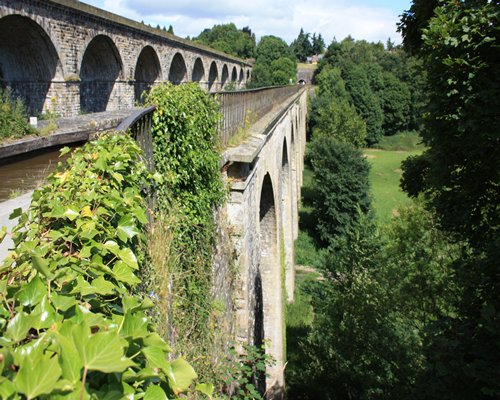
(67,57)
(266,175)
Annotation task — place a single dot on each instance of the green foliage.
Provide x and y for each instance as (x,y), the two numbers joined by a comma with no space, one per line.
(340,120)
(185,154)
(459,175)
(374,309)
(229,39)
(341,186)
(13,117)
(274,65)
(377,82)
(71,324)
(301,46)
(463,125)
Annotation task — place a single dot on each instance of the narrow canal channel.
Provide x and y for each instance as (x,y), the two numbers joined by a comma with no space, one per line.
(23,173)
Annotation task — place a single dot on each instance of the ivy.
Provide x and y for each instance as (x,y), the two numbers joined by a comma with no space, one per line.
(71,327)
(185,144)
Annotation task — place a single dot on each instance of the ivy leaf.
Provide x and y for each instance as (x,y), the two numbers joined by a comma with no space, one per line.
(38,374)
(3,233)
(102,286)
(206,388)
(71,214)
(19,326)
(102,351)
(16,213)
(62,302)
(123,273)
(155,392)
(32,293)
(41,265)
(112,246)
(128,257)
(184,375)
(126,228)
(157,358)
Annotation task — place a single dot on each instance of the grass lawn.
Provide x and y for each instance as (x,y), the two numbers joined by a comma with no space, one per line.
(385,174)
(307,66)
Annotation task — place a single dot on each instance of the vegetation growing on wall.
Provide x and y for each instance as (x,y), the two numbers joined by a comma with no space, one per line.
(184,146)
(71,325)
(13,116)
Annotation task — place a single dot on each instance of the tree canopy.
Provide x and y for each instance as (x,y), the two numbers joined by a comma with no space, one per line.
(229,39)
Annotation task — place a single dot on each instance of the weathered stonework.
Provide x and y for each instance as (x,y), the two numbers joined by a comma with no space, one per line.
(265,173)
(67,57)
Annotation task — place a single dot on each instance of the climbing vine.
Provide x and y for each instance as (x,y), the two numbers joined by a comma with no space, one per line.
(185,155)
(70,326)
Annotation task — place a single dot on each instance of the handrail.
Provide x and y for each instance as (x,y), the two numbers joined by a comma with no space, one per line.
(241,108)
(238,108)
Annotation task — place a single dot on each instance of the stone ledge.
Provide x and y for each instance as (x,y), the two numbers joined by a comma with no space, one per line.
(69,130)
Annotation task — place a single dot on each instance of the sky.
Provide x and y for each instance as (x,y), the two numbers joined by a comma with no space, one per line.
(371,20)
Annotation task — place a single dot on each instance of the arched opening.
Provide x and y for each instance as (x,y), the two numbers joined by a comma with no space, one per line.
(287,220)
(101,67)
(224,77)
(28,61)
(178,70)
(198,71)
(259,380)
(242,76)
(147,71)
(270,270)
(248,75)
(234,75)
(213,75)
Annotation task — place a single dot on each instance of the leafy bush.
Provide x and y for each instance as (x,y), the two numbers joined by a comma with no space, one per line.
(70,324)
(341,184)
(13,116)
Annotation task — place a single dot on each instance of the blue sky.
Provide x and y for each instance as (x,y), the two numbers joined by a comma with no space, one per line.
(372,20)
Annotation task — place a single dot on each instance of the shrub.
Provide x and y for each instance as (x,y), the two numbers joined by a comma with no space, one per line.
(13,116)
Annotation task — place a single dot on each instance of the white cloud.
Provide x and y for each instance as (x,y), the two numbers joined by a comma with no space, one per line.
(282,18)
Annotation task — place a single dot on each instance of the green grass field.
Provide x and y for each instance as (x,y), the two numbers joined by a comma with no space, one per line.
(385,174)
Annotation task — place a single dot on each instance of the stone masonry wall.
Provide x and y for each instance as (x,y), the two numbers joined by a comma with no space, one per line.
(58,34)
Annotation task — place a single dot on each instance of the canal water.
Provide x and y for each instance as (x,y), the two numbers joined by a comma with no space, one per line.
(24,173)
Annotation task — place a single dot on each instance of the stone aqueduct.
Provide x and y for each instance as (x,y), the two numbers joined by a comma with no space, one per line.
(71,57)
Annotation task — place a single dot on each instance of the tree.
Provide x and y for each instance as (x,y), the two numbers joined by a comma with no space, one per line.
(229,39)
(274,64)
(340,174)
(340,120)
(301,46)
(318,44)
(459,175)
(170,29)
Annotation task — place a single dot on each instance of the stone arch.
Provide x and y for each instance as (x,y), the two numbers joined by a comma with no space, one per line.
(213,75)
(287,218)
(198,74)
(101,67)
(248,74)
(224,76)
(242,76)
(234,75)
(29,60)
(178,71)
(270,270)
(147,71)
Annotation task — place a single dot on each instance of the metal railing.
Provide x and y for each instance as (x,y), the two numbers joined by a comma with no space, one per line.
(244,107)
(238,109)
(139,123)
